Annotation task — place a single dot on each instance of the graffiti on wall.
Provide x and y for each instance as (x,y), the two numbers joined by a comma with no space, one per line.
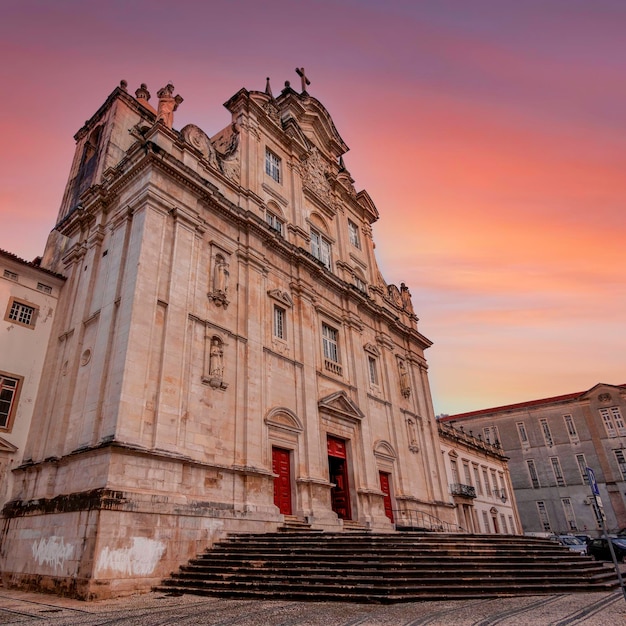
(52,551)
(140,559)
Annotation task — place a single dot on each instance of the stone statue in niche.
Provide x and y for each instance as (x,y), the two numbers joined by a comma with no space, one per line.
(220,281)
(168,103)
(405,383)
(215,376)
(412,432)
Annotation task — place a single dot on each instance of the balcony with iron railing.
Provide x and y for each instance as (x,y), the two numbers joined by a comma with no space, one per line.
(459,489)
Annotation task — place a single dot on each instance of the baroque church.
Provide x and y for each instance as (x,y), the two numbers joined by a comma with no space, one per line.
(225,354)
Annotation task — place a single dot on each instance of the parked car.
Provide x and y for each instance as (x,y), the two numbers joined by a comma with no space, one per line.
(599,549)
(573,543)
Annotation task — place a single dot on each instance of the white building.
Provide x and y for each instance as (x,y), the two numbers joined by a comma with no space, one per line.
(28,300)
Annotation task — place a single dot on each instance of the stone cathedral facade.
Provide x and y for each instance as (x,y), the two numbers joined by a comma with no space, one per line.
(225,354)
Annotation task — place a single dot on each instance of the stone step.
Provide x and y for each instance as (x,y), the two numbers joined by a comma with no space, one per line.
(386,568)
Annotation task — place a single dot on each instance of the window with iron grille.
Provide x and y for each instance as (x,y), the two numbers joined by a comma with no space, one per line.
(582,468)
(568,511)
(547,435)
(543,515)
(532,472)
(571,428)
(556,469)
(523,435)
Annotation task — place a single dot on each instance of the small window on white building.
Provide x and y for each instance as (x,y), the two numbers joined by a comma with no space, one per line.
(10,275)
(330,345)
(21,313)
(44,288)
(9,393)
(273,165)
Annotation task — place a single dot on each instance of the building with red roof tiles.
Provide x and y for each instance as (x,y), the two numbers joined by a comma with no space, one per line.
(550,442)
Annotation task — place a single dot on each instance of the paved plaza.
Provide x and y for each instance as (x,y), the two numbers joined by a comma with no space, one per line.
(160,609)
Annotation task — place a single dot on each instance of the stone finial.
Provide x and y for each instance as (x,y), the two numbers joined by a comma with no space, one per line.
(123,85)
(168,103)
(142,93)
(268,89)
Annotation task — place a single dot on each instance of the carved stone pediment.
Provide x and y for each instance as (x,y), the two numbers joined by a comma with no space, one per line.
(7,446)
(282,296)
(384,449)
(372,349)
(339,405)
(284,419)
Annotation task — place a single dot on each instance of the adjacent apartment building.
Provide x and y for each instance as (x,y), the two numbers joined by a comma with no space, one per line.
(550,443)
(479,482)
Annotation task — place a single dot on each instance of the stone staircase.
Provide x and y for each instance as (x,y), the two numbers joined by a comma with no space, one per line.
(399,567)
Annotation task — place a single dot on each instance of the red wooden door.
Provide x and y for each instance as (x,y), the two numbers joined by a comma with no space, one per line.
(338,475)
(386,489)
(282,482)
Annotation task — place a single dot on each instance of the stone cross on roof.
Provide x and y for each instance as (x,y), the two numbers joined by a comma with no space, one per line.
(305,80)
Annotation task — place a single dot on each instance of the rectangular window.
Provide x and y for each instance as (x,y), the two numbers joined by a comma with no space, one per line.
(274,222)
(477,482)
(331,349)
(279,322)
(613,421)
(571,428)
(504,530)
(10,275)
(373,370)
(466,472)
(568,511)
(491,435)
(558,473)
(320,248)
(486,482)
(547,435)
(532,472)
(543,515)
(621,462)
(494,484)
(512,525)
(21,313)
(486,522)
(454,471)
(523,435)
(272,165)
(582,468)
(353,231)
(9,388)
(44,288)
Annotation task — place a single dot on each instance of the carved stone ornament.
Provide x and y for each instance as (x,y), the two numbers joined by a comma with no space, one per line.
(405,383)
(196,137)
(314,177)
(604,397)
(394,295)
(272,111)
(282,296)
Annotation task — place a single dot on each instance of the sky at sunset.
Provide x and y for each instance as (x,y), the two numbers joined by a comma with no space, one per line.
(491,135)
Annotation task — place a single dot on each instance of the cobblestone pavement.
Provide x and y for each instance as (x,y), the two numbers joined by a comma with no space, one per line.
(160,609)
